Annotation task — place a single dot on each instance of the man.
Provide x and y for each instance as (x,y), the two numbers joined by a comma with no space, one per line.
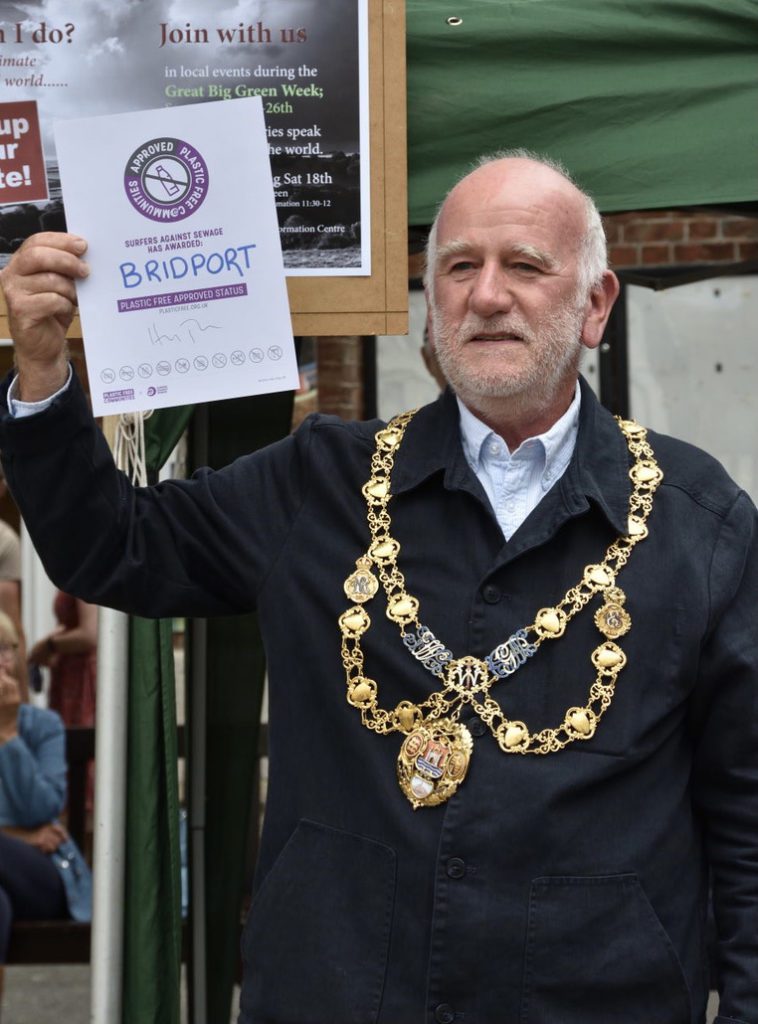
(513,687)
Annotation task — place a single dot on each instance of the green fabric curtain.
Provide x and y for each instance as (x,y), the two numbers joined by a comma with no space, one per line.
(152,940)
(649,104)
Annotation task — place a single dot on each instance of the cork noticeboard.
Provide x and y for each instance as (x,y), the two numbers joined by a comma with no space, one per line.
(376,304)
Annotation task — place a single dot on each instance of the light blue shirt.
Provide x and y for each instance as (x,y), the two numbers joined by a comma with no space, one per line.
(19,409)
(515,482)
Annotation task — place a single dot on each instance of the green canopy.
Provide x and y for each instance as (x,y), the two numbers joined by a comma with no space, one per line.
(649,104)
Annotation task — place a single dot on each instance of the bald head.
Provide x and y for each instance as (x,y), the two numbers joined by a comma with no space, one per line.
(526,181)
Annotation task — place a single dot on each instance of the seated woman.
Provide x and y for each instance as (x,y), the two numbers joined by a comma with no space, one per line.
(42,873)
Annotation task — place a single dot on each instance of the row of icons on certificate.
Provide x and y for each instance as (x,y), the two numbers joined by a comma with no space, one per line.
(183,365)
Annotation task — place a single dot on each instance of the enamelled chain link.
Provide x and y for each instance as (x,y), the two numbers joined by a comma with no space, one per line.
(435,753)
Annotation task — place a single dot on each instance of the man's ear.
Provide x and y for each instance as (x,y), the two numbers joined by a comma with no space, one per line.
(598,309)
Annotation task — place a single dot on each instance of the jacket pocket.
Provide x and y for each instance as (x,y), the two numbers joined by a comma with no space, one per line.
(315,944)
(596,952)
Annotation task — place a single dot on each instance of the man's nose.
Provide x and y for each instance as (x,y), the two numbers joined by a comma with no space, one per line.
(491,292)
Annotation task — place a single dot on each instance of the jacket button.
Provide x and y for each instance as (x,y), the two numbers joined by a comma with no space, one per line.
(491,593)
(444,1014)
(456,868)
(476,727)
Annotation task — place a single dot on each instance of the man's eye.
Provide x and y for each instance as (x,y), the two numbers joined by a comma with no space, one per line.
(528,267)
(461,265)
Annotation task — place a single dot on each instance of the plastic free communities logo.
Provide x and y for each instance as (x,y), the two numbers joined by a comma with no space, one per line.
(166,179)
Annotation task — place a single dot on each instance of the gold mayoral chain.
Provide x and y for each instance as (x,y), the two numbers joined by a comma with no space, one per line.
(435,753)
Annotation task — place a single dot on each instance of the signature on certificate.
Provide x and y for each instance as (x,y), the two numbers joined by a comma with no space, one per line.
(186,332)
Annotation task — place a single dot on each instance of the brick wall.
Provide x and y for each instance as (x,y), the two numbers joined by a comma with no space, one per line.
(340,376)
(674,237)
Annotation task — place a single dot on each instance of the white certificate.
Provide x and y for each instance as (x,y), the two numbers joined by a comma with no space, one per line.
(186,300)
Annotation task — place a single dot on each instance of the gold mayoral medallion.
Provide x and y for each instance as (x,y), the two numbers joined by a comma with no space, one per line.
(433,761)
(435,752)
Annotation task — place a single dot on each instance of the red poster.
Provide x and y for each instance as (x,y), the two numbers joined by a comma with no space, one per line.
(22,164)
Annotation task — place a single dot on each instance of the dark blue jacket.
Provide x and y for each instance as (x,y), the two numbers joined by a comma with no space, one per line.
(566,889)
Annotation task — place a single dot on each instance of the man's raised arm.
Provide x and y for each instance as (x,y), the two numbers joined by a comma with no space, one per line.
(185,547)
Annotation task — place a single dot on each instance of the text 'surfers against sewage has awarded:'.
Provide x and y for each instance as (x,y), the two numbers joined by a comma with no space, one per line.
(186,300)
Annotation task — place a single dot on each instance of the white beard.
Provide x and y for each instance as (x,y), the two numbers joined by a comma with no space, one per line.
(552,349)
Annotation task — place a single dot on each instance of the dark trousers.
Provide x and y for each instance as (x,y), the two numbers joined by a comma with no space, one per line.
(30,887)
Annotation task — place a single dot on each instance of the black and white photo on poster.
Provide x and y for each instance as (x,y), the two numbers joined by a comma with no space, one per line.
(307,59)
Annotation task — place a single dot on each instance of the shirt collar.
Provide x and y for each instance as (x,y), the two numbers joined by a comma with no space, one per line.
(598,470)
(556,444)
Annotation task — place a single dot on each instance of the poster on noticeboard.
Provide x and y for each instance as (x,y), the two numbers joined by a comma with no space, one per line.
(306,59)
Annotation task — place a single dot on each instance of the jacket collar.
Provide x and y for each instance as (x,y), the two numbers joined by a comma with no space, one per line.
(597,474)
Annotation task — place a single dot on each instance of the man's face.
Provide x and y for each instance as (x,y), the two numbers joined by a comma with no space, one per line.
(506,314)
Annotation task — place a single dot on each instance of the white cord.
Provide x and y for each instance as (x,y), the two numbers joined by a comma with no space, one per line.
(129,446)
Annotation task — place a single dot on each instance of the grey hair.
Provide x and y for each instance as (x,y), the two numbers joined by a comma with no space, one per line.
(593,251)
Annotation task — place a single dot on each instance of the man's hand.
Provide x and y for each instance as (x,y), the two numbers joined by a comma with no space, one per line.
(40,294)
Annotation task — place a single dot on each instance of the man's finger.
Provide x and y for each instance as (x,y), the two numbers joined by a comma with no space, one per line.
(44,259)
(49,282)
(55,240)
